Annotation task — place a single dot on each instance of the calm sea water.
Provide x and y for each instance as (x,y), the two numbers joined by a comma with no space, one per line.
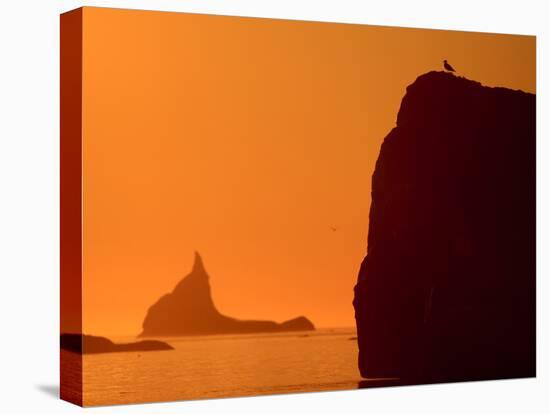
(224,366)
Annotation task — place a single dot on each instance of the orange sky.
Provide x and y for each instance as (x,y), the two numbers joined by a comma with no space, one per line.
(247,140)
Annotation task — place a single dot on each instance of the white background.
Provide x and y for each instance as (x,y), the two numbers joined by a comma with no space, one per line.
(29,192)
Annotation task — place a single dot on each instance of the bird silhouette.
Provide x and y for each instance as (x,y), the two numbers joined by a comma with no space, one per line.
(447,66)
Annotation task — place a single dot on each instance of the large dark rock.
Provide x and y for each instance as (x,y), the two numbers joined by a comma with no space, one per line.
(447,289)
(189,310)
(90,344)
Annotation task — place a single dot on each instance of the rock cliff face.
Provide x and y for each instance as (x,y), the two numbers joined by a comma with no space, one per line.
(189,310)
(447,289)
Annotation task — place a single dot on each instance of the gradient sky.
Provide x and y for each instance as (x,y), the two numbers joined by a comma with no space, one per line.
(247,140)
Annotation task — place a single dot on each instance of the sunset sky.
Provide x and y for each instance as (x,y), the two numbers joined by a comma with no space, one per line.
(247,140)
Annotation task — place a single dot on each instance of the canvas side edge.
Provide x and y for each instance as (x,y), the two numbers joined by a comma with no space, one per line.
(71,381)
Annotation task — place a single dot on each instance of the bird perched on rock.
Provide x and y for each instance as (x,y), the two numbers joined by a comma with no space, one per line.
(447,66)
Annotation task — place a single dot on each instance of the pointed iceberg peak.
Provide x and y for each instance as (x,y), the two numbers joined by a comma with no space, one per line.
(190,310)
(198,265)
(197,279)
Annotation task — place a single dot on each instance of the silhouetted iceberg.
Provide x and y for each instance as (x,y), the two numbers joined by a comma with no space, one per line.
(89,344)
(447,289)
(190,310)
